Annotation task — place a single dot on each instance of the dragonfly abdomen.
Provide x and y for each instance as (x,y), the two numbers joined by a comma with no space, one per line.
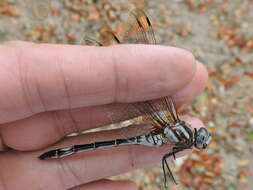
(146,140)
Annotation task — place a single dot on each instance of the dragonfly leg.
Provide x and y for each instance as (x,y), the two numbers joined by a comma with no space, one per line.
(173,151)
(165,164)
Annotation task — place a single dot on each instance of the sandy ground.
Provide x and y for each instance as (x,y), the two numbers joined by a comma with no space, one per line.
(218,32)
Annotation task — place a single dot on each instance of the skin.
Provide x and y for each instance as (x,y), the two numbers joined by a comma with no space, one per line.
(49,91)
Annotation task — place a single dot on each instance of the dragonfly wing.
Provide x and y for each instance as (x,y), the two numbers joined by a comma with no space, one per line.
(92,42)
(140,30)
(162,112)
(159,112)
(107,38)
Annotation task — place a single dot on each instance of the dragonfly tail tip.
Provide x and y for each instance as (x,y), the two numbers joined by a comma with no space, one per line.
(47,155)
(43,156)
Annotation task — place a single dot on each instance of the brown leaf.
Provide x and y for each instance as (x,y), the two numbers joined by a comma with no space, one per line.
(76,17)
(232,82)
(249,108)
(71,38)
(250,74)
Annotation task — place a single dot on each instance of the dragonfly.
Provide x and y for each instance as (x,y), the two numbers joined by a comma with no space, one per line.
(167,127)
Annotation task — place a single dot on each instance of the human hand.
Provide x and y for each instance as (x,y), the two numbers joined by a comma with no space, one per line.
(49,91)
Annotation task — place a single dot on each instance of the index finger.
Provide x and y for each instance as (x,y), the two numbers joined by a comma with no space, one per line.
(42,77)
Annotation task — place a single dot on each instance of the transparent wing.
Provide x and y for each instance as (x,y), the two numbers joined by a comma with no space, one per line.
(107,38)
(91,42)
(162,112)
(159,113)
(156,113)
(140,30)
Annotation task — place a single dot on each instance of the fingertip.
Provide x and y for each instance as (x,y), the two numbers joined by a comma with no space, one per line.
(183,66)
(193,121)
(195,87)
(202,73)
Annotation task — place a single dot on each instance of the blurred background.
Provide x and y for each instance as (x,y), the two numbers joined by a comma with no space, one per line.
(218,32)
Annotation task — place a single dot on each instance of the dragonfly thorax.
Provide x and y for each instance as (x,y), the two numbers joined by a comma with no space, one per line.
(175,134)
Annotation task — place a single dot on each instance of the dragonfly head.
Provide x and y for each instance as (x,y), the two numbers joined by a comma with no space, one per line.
(202,138)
